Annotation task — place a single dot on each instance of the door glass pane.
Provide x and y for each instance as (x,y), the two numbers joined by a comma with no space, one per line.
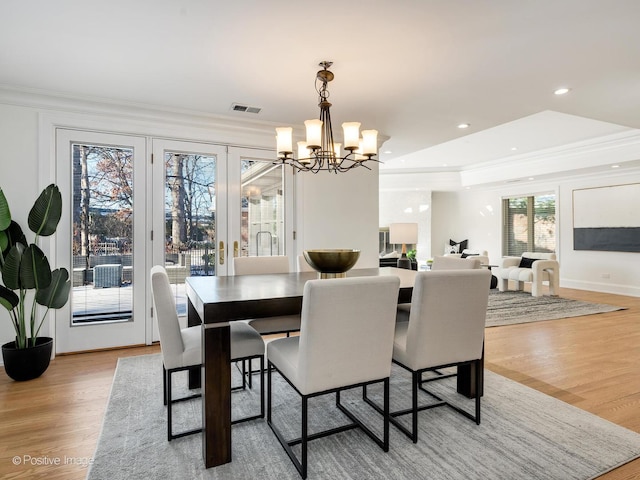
(102,234)
(262,228)
(190,220)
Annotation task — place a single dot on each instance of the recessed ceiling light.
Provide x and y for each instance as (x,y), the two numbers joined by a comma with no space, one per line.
(615,166)
(444,164)
(464,125)
(387,152)
(514,148)
(531,178)
(562,91)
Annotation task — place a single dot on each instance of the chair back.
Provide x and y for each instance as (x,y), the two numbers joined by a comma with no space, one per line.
(303,265)
(455,263)
(165,311)
(260,265)
(447,317)
(347,330)
(540,255)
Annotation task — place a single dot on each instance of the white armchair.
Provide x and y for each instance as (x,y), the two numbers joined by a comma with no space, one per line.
(533,267)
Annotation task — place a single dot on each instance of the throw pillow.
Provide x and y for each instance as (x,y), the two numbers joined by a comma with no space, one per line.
(527,262)
(458,247)
(465,255)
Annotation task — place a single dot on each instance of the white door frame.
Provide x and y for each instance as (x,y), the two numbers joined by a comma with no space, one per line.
(157,218)
(73,338)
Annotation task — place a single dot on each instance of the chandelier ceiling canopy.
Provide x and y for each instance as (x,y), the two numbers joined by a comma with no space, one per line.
(320,152)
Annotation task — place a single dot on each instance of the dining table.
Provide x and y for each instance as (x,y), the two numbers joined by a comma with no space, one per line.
(214,301)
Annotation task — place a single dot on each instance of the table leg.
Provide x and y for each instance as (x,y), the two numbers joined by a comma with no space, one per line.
(467,379)
(193,319)
(216,394)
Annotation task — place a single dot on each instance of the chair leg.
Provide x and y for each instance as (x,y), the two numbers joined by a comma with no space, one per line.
(269,390)
(386,416)
(164,385)
(415,380)
(170,401)
(168,398)
(305,432)
(262,386)
(536,288)
(246,380)
(478,369)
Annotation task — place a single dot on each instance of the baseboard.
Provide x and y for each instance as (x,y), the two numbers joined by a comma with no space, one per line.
(616,289)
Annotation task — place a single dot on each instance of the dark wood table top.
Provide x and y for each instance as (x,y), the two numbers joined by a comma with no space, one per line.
(252,296)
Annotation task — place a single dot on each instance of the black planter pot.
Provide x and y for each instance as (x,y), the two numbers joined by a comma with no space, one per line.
(27,363)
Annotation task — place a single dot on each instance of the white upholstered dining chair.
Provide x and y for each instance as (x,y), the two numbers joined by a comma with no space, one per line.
(303,265)
(182,348)
(450,262)
(446,262)
(321,361)
(262,266)
(444,330)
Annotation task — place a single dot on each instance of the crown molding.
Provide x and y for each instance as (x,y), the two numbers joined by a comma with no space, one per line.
(134,113)
(579,156)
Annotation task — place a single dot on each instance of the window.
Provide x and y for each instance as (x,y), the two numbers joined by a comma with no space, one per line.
(102,233)
(529,224)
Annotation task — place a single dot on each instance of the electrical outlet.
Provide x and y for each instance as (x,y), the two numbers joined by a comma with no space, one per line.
(605,275)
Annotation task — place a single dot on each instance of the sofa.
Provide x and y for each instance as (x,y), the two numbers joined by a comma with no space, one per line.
(534,267)
(481,255)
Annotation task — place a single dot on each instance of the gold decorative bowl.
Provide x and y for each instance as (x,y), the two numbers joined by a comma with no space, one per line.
(332,263)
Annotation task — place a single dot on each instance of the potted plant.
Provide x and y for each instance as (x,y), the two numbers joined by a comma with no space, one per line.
(29,286)
(411,255)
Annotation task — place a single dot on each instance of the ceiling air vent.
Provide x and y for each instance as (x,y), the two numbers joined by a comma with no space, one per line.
(237,107)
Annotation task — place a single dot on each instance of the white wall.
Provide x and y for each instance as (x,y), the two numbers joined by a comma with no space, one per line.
(19,178)
(467,215)
(613,272)
(339,211)
(412,206)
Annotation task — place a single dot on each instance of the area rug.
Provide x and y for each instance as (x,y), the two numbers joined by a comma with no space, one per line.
(524,434)
(511,307)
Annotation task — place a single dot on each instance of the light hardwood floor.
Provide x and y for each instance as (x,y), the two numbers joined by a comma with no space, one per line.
(592,362)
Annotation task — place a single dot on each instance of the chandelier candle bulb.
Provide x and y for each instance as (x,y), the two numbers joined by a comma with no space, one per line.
(284,140)
(358,152)
(336,149)
(314,133)
(369,142)
(303,153)
(351,135)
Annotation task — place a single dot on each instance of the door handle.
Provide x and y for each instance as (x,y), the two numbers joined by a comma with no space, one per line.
(235,248)
(221,252)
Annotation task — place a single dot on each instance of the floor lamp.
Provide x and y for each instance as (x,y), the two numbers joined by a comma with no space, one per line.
(404,233)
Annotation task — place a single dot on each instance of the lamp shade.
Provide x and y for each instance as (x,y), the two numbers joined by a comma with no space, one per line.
(284,139)
(403,233)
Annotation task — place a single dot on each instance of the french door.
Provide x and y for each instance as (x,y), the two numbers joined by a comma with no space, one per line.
(132,202)
(101,239)
(212,203)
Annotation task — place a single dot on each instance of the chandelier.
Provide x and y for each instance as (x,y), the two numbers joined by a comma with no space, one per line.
(320,152)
